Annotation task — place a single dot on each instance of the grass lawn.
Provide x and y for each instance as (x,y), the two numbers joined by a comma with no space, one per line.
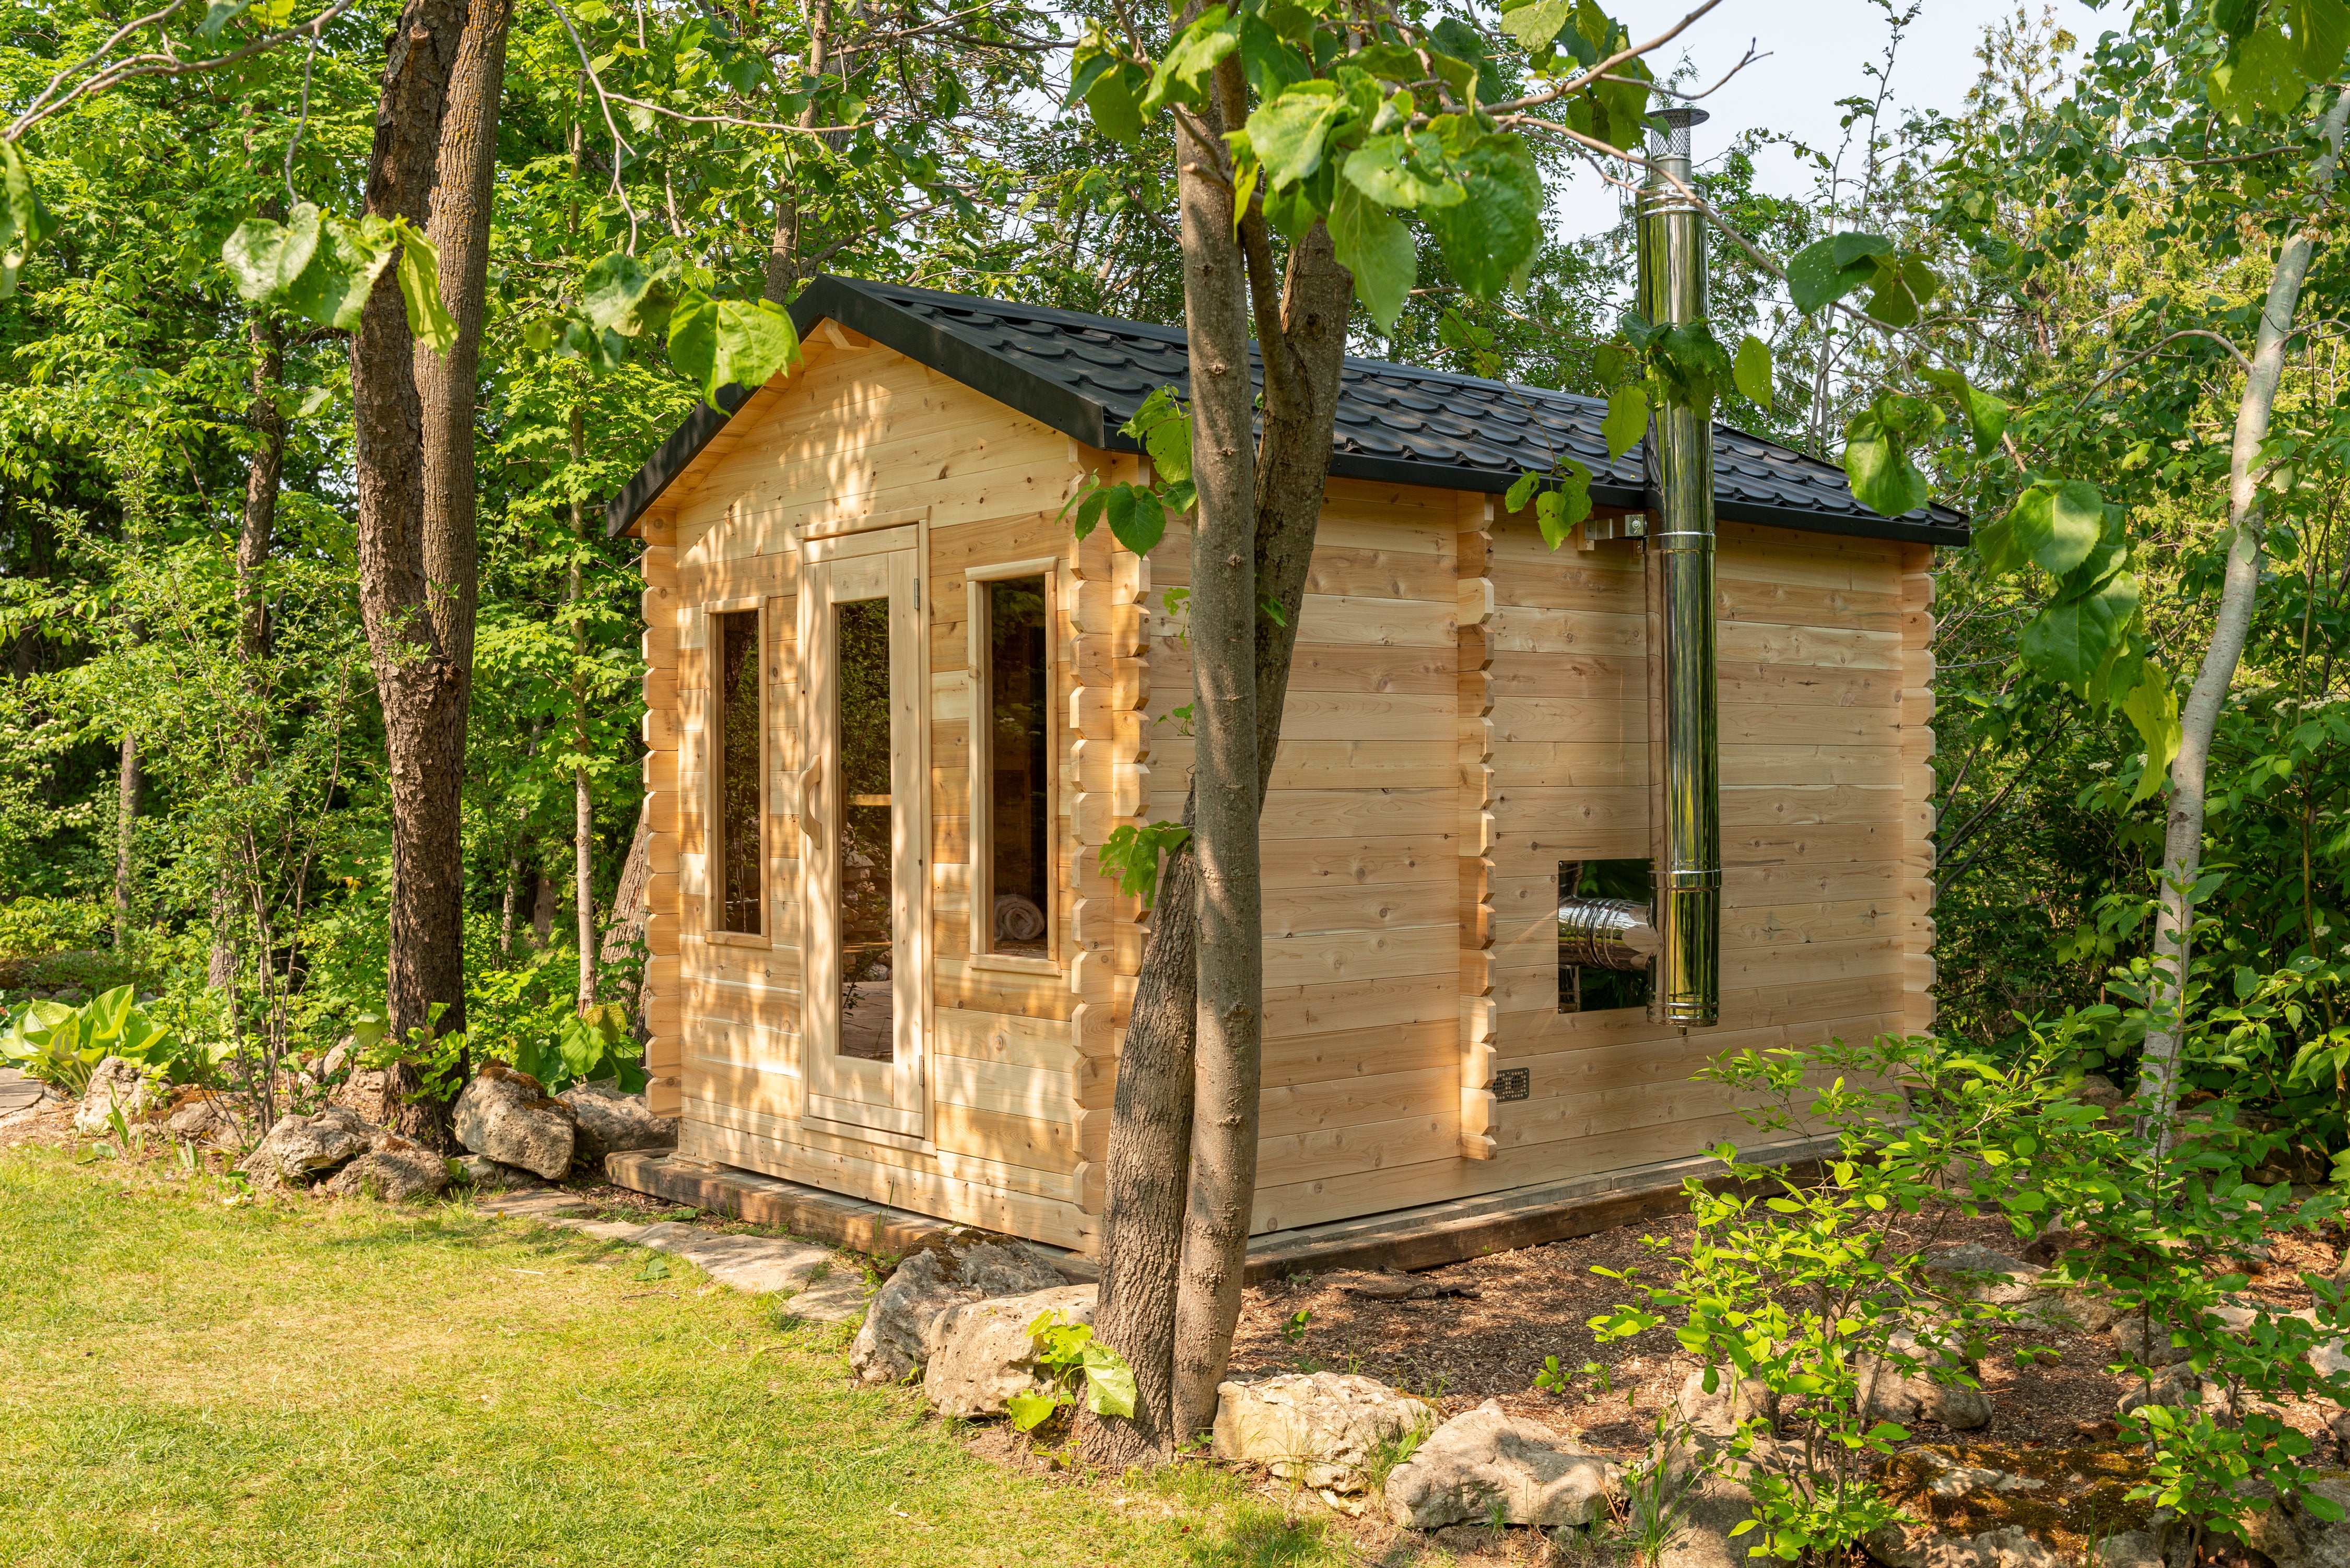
(192,1384)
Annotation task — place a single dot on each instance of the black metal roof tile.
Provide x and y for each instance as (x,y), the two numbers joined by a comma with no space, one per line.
(1085,375)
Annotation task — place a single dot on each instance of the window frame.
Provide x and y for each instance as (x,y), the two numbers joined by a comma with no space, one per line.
(713,838)
(980,944)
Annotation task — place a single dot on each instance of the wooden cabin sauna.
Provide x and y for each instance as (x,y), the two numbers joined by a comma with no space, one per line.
(894,708)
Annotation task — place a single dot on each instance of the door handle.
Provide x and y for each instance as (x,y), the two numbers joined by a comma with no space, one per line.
(811,780)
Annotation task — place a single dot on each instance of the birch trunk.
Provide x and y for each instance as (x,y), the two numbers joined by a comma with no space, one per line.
(130,785)
(2198,718)
(583,800)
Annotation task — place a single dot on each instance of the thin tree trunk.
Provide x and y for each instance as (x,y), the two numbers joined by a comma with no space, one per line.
(1301,328)
(507,903)
(41,565)
(256,538)
(2198,718)
(130,785)
(784,245)
(583,833)
(420,679)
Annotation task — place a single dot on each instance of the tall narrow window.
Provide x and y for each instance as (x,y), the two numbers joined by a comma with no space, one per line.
(734,638)
(869,953)
(1016,856)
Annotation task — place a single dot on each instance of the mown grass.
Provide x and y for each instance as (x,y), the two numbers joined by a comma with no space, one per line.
(196,1385)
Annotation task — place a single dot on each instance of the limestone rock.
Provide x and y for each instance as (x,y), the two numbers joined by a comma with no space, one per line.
(1888,1394)
(967,1266)
(1734,1399)
(1319,1427)
(115,1085)
(2096,1089)
(613,1123)
(2293,1537)
(1710,1510)
(982,1355)
(2130,1549)
(1910,1546)
(299,1147)
(1986,1275)
(202,1117)
(392,1170)
(482,1174)
(506,1114)
(1483,1457)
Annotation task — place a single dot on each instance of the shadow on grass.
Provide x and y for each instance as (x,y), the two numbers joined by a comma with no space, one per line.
(1264,1538)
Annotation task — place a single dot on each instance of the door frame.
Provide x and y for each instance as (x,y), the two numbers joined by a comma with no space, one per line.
(910,1108)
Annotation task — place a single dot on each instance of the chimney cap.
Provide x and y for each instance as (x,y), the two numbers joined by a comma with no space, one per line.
(1680,117)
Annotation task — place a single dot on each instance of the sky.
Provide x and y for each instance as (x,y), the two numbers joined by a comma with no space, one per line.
(1815,52)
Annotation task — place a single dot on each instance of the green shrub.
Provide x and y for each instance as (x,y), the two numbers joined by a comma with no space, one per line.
(63,1045)
(32,927)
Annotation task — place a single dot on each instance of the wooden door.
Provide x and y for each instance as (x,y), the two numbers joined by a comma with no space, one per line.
(866,813)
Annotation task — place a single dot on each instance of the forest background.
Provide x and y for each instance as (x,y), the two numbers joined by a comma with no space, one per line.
(193,797)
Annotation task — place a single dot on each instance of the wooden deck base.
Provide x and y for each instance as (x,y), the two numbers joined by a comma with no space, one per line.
(1426,1237)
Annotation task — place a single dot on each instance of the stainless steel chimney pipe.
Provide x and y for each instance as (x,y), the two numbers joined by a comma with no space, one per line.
(1684,742)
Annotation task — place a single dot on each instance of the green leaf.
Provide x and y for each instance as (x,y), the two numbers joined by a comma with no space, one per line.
(2057,525)
(24,222)
(1534,27)
(1129,857)
(2152,709)
(728,342)
(1751,372)
(264,258)
(420,289)
(1826,270)
(2263,74)
(1270,65)
(1109,1381)
(1557,512)
(333,290)
(1627,420)
(1288,131)
(1110,100)
(1876,453)
(1030,1410)
(1383,170)
(1986,415)
(615,291)
(2070,638)
(1372,242)
(1164,429)
(1183,70)
(1903,285)
(1496,231)
(2321,36)
(1520,490)
(1135,518)
(219,15)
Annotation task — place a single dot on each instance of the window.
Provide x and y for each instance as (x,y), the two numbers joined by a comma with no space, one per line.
(1614,895)
(734,641)
(1012,860)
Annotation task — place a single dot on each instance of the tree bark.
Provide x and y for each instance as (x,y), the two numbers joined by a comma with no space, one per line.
(1302,330)
(129,786)
(256,537)
(2198,718)
(420,679)
(784,245)
(583,801)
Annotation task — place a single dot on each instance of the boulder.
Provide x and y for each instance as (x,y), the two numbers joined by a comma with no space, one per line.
(2293,1537)
(392,1170)
(1734,1400)
(115,1085)
(200,1116)
(2096,1089)
(1318,1428)
(299,1147)
(1710,1510)
(982,1355)
(1483,1461)
(610,1122)
(507,1115)
(1889,1394)
(1984,1276)
(482,1174)
(2152,1347)
(1902,1545)
(965,1266)
(2130,1549)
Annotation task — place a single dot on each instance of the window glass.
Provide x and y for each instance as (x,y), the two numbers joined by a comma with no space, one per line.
(1018,854)
(737,857)
(867,945)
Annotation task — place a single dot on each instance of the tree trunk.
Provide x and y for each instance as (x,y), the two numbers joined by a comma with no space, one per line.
(128,785)
(419,678)
(2198,718)
(583,801)
(1302,329)
(784,245)
(256,535)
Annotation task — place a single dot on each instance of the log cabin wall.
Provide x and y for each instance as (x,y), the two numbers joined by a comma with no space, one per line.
(860,431)
(1411,937)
